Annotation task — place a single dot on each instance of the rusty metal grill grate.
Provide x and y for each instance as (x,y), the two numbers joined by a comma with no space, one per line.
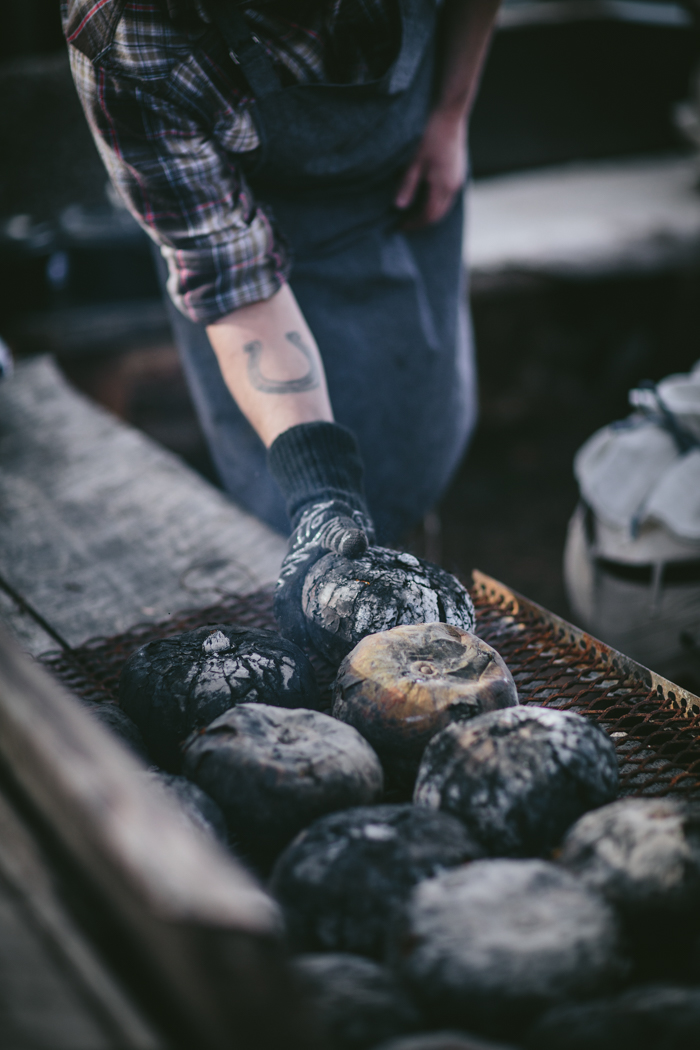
(655,726)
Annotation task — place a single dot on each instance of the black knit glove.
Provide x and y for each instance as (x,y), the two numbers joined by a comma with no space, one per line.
(319,469)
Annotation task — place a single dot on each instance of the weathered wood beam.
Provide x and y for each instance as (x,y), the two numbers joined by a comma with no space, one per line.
(207,932)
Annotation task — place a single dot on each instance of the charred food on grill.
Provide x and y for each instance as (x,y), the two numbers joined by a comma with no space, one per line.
(401,687)
(441,1041)
(641,854)
(118,722)
(491,944)
(344,600)
(356,1002)
(341,881)
(273,771)
(174,685)
(648,1017)
(195,805)
(519,777)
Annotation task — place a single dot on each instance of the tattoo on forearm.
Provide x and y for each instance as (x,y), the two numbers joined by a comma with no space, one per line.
(281,386)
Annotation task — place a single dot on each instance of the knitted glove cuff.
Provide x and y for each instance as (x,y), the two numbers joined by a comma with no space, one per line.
(317,462)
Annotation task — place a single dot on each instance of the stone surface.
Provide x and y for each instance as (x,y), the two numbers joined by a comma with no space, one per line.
(273,771)
(649,1017)
(401,687)
(344,600)
(356,1002)
(175,685)
(344,878)
(489,945)
(520,777)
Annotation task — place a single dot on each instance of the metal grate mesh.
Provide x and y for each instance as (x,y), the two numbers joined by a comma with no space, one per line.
(657,741)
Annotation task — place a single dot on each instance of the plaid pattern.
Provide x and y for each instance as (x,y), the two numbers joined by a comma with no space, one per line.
(169,113)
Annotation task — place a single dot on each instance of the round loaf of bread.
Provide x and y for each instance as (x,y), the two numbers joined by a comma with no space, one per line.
(174,685)
(401,687)
(519,777)
(342,880)
(273,771)
(343,599)
(196,807)
(489,945)
(356,1002)
(650,1016)
(642,854)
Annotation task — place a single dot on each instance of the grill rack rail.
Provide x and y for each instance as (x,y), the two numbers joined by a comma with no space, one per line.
(654,724)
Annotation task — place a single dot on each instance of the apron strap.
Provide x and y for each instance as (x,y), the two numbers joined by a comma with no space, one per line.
(245,47)
(414,40)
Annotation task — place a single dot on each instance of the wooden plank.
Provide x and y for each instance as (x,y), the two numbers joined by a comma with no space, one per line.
(584,220)
(208,933)
(56,992)
(23,626)
(100,528)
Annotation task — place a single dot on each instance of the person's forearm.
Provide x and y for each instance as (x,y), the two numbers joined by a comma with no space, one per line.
(271,365)
(466,31)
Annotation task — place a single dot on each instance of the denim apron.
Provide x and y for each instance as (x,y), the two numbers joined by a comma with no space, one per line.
(387,308)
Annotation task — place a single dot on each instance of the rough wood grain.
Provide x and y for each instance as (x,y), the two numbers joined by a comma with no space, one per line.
(207,932)
(100,528)
(55,991)
(24,627)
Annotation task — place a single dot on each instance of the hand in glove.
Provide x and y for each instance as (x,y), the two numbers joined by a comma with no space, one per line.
(335,587)
(319,469)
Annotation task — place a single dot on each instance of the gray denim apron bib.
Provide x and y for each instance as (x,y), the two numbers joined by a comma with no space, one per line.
(386,308)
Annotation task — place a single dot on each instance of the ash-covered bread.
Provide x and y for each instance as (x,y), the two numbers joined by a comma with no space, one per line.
(118,722)
(489,945)
(343,879)
(174,685)
(401,687)
(356,1002)
(641,854)
(194,804)
(344,600)
(273,771)
(444,1040)
(648,1017)
(518,778)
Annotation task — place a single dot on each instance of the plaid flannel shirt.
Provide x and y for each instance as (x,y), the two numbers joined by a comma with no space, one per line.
(169,111)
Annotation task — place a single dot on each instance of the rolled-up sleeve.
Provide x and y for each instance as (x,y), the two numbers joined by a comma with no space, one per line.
(186,191)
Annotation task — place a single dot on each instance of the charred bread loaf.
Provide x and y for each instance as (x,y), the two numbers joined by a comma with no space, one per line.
(174,685)
(519,777)
(273,771)
(195,805)
(489,945)
(401,687)
(648,1017)
(643,855)
(118,722)
(344,599)
(341,881)
(356,1002)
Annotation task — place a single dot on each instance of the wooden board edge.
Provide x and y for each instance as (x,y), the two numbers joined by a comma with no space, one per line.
(210,933)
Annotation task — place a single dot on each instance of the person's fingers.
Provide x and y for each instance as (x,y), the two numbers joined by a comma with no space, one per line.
(438,201)
(344,537)
(409,184)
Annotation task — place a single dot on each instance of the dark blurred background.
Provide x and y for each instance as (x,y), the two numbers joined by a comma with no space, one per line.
(568,82)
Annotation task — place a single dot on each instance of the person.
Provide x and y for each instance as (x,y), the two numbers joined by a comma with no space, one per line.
(300,165)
